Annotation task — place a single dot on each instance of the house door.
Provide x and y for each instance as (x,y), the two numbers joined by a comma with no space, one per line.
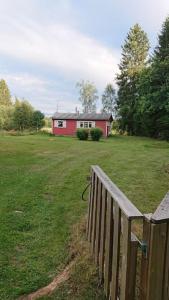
(107,130)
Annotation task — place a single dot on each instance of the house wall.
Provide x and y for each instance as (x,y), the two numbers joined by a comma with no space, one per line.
(71,128)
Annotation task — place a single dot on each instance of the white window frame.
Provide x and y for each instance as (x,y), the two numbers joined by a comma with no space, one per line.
(56,123)
(85,124)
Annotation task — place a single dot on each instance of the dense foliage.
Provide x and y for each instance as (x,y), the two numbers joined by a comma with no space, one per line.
(96,134)
(82,134)
(19,115)
(143,96)
(134,60)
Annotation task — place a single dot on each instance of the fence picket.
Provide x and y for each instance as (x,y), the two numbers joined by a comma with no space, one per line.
(116,251)
(109,245)
(103,233)
(94,215)
(90,210)
(133,267)
(98,222)
(166,275)
(126,252)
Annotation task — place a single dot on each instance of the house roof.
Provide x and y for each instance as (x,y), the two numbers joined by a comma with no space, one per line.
(83,116)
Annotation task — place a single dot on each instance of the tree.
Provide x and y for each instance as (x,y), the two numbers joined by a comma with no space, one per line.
(108,99)
(38,119)
(88,96)
(6,117)
(133,62)
(159,89)
(23,114)
(153,87)
(5,97)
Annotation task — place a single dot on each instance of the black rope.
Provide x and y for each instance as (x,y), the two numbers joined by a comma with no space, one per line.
(83,199)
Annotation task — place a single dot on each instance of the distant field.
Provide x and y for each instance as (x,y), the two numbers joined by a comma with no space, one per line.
(41,180)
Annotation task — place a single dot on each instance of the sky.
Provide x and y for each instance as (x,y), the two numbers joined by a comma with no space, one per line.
(47,46)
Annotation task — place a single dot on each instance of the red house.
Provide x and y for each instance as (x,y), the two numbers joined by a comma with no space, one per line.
(68,123)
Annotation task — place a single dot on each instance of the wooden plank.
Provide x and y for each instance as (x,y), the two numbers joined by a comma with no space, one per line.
(156,261)
(109,245)
(161,214)
(133,267)
(166,275)
(103,233)
(94,215)
(145,258)
(91,204)
(124,203)
(116,252)
(98,222)
(126,252)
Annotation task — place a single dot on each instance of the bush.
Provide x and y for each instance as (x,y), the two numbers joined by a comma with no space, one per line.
(82,134)
(96,134)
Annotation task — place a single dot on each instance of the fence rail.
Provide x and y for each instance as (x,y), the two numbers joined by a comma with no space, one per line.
(115,247)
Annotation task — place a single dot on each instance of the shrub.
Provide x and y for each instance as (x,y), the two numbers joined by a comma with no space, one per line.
(82,134)
(96,134)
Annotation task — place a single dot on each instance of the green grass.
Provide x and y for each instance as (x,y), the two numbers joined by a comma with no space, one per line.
(41,180)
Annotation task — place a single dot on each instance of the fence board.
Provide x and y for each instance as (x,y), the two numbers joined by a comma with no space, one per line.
(94,215)
(166,275)
(116,252)
(126,252)
(133,267)
(156,261)
(98,222)
(103,233)
(109,244)
(90,211)
(145,258)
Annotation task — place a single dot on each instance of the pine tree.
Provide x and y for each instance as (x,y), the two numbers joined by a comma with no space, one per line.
(108,99)
(5,97)
(134,60)
(158,96)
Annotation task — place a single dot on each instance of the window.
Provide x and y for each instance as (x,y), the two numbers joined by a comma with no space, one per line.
(60,123)
(85,124)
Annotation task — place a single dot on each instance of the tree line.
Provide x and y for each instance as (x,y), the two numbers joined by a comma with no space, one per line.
(140,103)
(17,115)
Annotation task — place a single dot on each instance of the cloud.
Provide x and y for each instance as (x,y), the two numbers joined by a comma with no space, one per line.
(60,48)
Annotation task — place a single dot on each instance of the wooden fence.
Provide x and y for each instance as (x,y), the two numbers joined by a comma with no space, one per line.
(115,247)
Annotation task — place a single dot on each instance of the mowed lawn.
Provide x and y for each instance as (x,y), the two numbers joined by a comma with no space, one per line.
(41,181)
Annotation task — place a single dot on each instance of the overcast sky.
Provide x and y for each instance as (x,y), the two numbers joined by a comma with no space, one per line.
(46,46)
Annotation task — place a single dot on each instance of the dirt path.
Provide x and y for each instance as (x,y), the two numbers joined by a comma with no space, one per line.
(47,290)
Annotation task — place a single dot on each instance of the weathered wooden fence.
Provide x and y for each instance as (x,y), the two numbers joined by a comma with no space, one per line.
(115,247)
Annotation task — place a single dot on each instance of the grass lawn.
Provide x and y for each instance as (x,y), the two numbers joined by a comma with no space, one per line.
(41,180)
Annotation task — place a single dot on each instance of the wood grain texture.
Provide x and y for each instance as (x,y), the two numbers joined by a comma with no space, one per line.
(98,222)
(94,215)
(145,258)
(103,233)
(133,267)
(116,252)
(166,264)
(109,246)
(126,252)
(91,206)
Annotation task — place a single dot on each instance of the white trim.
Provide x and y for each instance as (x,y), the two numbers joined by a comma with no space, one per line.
(85,124)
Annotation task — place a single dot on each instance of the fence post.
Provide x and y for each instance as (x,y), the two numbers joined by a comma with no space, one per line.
(155,266)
